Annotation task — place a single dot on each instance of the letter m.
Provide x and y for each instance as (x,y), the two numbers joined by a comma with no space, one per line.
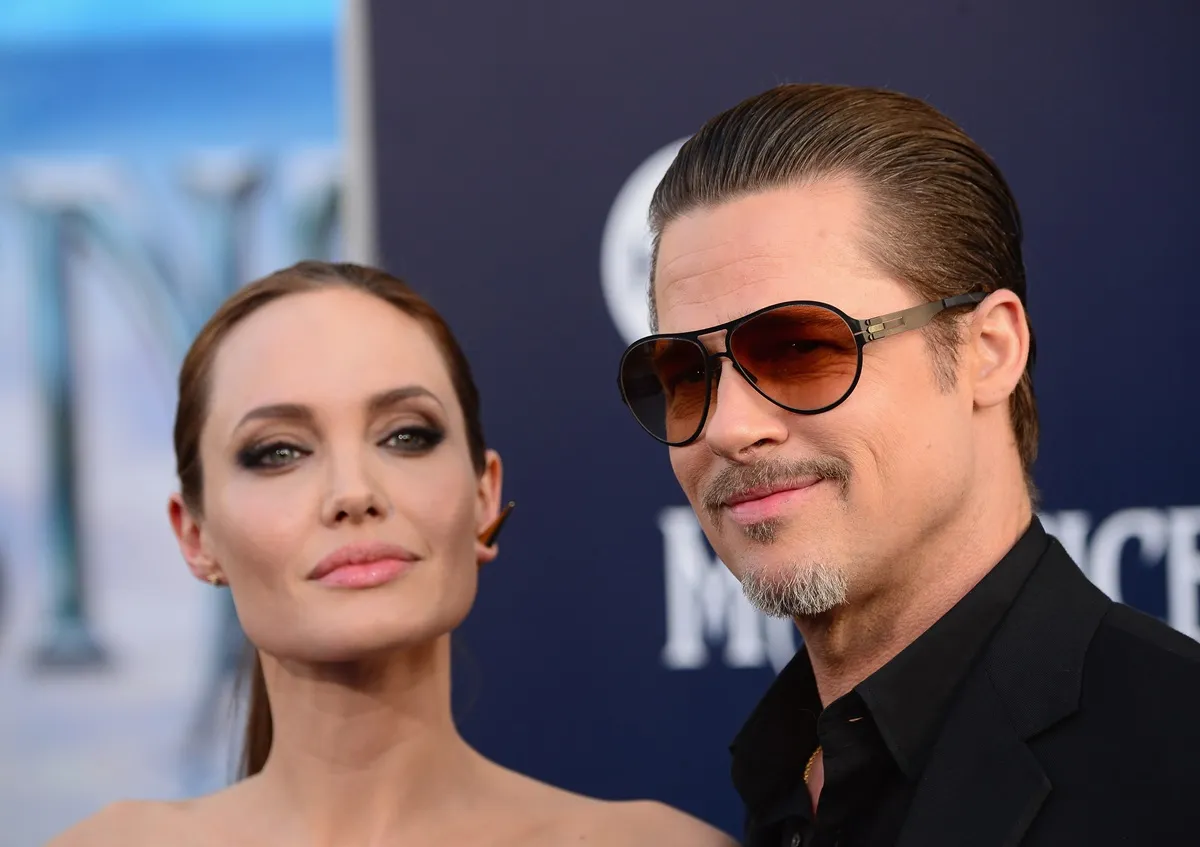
(704,601)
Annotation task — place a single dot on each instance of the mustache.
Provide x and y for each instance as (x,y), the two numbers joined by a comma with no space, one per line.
(734,479)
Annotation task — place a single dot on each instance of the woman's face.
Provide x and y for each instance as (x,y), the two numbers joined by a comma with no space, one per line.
(340,503)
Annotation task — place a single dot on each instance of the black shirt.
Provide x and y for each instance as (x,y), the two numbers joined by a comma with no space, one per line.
(876,738)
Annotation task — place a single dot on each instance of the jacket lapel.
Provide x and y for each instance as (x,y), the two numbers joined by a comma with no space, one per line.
(983,786)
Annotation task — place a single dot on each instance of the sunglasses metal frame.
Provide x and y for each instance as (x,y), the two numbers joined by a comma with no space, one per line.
(863,331)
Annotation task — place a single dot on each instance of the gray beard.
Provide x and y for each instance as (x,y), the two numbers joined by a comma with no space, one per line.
(799,591)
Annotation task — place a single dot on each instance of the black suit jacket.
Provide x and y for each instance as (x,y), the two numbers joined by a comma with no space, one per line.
(1080,725)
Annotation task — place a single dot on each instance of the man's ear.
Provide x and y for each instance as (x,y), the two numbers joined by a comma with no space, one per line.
(189,533)
(999,345)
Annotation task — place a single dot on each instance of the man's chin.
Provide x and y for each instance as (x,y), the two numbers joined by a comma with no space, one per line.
(795,590)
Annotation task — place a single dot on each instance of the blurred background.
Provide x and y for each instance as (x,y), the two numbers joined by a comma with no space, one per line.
(155,156)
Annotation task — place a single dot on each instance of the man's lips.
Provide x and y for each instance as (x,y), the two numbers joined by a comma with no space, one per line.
(764,502)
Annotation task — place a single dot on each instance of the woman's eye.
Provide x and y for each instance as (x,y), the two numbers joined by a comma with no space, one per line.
(273,455)
(414,439)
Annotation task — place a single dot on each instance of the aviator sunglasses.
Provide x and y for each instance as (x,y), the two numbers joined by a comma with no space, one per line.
(803,356)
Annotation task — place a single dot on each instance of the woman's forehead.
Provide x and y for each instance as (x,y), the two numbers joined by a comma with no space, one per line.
(329,347)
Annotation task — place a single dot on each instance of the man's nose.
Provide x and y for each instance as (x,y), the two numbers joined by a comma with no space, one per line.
(741,422)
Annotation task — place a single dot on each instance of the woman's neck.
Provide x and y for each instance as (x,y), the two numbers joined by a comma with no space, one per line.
(360,748)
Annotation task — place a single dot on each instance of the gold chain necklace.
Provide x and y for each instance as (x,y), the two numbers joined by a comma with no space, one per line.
(811,761)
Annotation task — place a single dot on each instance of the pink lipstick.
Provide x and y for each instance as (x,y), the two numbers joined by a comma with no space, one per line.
(363,565)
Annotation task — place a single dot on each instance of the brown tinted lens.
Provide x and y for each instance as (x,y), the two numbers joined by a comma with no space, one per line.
(802,357)
(665,386)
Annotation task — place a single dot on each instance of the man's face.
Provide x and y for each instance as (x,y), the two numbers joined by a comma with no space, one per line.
(855,487)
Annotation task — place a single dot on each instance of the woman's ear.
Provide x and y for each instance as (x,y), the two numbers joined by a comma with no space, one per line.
(189,533)
(487,507)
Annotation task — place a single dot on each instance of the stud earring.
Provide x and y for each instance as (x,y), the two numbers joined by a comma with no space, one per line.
(214,579)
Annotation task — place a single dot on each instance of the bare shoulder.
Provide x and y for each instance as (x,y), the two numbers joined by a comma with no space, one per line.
(555,816)
(127,823)
(654,824)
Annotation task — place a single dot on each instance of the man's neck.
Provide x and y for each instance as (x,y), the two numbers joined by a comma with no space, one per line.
(851,642)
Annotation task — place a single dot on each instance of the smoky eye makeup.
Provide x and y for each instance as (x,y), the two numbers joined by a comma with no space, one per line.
(411,418)
(413,426)
(270,453)
(414,438)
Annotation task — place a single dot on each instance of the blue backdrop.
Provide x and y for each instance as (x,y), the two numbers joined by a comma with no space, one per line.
(515,147)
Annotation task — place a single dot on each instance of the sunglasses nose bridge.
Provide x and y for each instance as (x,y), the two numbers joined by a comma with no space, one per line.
(727,353)
(716,347)
(709,341)
(715,342)
(737,367)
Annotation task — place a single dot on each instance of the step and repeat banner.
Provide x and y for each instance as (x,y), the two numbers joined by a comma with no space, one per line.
(516,146)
